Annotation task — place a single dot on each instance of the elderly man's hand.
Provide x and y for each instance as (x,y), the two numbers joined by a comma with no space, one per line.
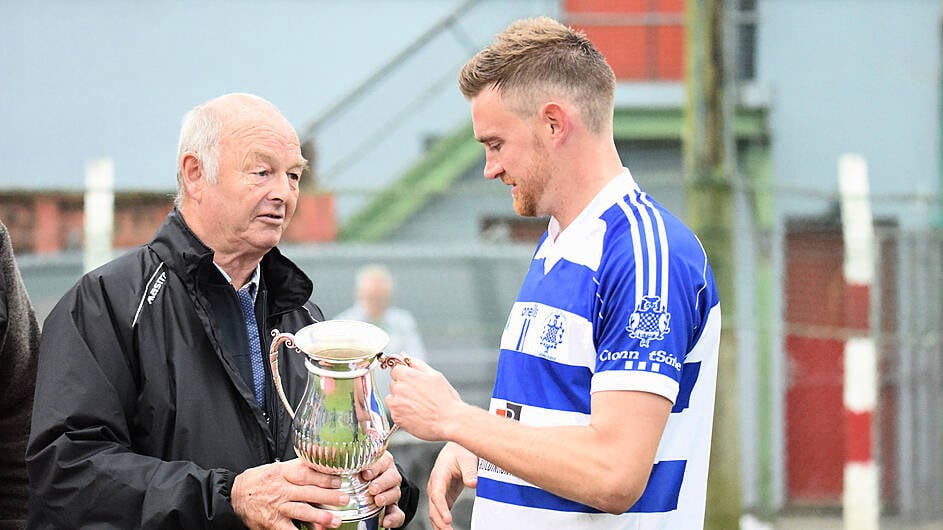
(385,489)
(272,496)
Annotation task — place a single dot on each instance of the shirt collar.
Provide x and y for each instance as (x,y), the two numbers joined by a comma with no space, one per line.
(252,284)
(617,187)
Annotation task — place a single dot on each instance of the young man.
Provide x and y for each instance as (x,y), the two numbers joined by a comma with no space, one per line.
(603,401)
(154,407)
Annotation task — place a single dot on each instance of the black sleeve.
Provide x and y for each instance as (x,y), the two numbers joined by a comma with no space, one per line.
(4,313)
(82,467)
(409,497)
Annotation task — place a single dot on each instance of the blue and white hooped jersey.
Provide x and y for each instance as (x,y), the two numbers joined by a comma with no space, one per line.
(623,299)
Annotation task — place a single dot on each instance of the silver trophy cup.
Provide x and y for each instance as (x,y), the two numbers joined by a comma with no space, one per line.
(340,425)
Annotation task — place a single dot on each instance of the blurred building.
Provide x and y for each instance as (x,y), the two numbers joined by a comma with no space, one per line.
(371,88)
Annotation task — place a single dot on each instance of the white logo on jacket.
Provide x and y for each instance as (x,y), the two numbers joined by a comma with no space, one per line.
(158,284)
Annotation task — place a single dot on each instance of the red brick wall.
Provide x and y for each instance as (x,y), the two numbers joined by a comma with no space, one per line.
(47,222)
(314,219)
(642,40)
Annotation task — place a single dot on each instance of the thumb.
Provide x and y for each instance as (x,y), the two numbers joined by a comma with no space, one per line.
(469,469)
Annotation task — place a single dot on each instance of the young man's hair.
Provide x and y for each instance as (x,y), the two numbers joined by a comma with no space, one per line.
(540,57)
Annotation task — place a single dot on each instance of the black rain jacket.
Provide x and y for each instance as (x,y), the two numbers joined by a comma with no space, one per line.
(142,417)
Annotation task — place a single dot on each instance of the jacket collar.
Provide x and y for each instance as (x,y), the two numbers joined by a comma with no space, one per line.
(183,252)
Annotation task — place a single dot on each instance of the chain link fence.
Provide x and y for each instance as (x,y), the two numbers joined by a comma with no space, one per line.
(791,285)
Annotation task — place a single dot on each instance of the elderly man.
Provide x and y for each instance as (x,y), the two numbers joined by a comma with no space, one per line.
(153,404)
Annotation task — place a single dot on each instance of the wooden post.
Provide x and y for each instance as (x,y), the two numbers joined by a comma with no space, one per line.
(707,142)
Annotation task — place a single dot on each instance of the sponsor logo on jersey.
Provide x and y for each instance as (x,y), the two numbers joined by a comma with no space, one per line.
(155,289)
(529,312)
(510,410)
(552,334)
(487,467)
(649,321)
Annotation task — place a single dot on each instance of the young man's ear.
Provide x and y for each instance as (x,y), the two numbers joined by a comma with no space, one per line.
(555,121)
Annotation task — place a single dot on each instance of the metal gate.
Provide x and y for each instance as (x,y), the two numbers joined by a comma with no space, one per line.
(906,319)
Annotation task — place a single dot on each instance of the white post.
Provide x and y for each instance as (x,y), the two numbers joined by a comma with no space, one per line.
(860,499)
(99,211)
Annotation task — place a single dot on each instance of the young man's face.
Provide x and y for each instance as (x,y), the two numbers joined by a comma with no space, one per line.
(513,153)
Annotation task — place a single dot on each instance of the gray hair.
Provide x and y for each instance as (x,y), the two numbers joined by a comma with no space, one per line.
(199,134)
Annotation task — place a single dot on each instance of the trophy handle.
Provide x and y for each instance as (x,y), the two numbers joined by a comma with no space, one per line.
(388,361)
(289,339)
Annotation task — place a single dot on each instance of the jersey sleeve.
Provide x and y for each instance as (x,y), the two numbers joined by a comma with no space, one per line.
(642,326)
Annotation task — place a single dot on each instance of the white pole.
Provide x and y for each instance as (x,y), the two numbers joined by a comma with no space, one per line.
(857,224)
(99,211)
(860,499)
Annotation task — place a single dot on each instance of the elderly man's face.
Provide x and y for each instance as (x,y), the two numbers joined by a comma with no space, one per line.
(256,189)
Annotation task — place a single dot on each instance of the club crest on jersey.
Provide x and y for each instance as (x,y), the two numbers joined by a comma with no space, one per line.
(649,321)
(552,335)
(510,411)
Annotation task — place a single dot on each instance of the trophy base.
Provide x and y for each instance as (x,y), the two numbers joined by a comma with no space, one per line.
(368,522)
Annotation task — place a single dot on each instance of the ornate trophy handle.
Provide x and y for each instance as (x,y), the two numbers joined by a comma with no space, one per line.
(388,361)
(289,339)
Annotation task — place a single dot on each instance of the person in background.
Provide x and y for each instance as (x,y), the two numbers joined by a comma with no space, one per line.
(19,343)
(154,403)
(603,400)
(373,295)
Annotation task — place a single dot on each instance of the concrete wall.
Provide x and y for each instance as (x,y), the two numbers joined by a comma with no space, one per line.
(858,76)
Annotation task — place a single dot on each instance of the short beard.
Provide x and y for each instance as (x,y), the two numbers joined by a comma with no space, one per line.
(537,182)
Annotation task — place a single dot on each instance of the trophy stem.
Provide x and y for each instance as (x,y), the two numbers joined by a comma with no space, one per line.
(360,506)
(360,513)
